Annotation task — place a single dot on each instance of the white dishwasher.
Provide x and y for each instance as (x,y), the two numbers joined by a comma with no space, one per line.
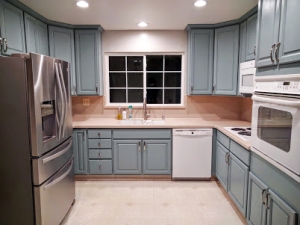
(192,153)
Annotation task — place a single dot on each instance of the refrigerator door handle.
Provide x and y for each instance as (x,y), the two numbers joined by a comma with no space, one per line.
(54,156)
(61,96)
(65,99)
(55,181)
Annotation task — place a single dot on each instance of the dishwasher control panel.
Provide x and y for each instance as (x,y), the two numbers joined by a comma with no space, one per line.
(191,132)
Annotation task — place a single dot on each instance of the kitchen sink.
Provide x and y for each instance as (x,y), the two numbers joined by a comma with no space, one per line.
(142,122)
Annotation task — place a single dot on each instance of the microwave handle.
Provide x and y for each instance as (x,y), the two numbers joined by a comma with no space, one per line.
(276,100)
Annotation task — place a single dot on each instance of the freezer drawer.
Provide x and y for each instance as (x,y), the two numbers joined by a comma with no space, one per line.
(49,164)
(54,198)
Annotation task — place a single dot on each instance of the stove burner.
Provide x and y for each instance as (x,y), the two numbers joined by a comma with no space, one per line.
(238,129)
(249,128)
(246,133)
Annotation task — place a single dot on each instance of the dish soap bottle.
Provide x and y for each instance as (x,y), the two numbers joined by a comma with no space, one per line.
(124,114)
(130,112)
(119,115)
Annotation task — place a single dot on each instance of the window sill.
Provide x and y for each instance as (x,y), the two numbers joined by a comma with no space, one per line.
(140,106)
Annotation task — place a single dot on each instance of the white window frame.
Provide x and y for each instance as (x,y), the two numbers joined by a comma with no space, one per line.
(108,104)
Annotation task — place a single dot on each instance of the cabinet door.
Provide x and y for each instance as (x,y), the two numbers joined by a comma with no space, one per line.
(226,60)
(289,49)
(61,42)
(12,29)
(87,62)
(267,28)
(238,183)
(200,61)
(127,157)
(36,35)
(279,213)
(243,41)
(157,157)
(256,211)
(251,37)
(80,151)
(221,164)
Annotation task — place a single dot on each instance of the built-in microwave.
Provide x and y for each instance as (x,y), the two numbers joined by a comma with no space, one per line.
(276,122)
(247,74)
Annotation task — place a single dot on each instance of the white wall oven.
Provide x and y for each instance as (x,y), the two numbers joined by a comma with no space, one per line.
(276,122)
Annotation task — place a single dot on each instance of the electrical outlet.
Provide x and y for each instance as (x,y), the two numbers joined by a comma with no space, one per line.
(86,102)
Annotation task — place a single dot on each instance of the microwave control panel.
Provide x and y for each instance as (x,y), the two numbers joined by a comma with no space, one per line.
(286,87)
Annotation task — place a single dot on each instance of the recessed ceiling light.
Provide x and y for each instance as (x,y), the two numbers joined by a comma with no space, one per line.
(82,4)
(200,3)
(142,24)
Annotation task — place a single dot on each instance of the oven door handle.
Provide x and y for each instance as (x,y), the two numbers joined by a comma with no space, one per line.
(277,100)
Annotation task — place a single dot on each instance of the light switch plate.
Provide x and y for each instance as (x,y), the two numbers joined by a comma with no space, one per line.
(86,102)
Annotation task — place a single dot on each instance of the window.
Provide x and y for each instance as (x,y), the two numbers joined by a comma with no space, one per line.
(131,77)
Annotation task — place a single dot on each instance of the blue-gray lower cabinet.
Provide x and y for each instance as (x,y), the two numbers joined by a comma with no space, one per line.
(226,58)
(100,166)
(221,164)
(87,45)
(36,35)
(12,29)
(127,156)
(80,151)
(157,157)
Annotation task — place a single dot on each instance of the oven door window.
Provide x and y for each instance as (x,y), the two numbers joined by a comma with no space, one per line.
(275,127)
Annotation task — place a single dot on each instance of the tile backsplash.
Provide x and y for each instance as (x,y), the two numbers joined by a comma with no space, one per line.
(206,107)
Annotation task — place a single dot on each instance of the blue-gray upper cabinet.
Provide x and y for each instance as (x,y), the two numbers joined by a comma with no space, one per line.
(87,46)
(226,60)
(157,157)
(289,49)
(243,41)
(221,164)
(61,42)
(200,68)
(127,156)
(251,37)
(36,35)
(80,151)
(12,29)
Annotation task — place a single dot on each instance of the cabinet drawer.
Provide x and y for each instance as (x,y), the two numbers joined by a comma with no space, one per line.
(223,139)
(100,166)
(99,143)
(99,133)
(242,153)
(100,154)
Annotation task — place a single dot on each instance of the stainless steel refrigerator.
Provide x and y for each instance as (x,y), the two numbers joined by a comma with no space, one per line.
(36,162)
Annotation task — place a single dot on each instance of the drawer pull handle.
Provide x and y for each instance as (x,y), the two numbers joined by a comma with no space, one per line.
(99,144)
(144,146)
(99,154)
(100,167)
(98,134)
(139,146)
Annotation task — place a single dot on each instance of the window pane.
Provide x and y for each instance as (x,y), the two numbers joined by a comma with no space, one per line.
(117,79)
(135,95)
(154,62)
(135,63)
(154,96)
(154,79)
(173,63)
(172,96)
(116,63)
(135,79)
(117,95)
(172,79)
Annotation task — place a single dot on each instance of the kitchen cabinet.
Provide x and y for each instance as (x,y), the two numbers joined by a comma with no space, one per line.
(88,53)
(36,35)
(265,207)
(243,41)
(226,54)
(61,44)
(251,37)
(12,29)
(200,61)
(221,164)
(80,151)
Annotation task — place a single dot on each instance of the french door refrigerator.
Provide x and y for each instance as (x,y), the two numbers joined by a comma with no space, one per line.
(36,162)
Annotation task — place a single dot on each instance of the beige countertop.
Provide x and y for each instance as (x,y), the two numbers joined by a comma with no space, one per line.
(94,122)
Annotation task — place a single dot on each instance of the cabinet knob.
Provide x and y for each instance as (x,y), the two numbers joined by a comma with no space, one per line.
(100,167)
(1,43)
(98,134)
(6,45)
(192,87)
(99,154)
(99,144)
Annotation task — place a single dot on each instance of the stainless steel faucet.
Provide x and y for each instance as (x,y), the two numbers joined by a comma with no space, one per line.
(145,108)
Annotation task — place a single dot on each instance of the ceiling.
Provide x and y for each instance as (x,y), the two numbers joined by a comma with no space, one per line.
(125,14)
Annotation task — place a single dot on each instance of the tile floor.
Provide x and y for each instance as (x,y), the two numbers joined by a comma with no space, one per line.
(150,203)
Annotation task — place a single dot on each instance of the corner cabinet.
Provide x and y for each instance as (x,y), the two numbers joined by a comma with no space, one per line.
(36,35)
(12,29)
(61,42)
(200,61)
(88,62)
(226,60)
(80,151)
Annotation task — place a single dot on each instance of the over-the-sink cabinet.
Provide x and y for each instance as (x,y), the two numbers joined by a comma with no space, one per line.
(12,38)
(226,53)
(278,32)
(80,151)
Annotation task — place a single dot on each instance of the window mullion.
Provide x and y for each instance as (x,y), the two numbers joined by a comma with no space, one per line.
(163,86)
(126,86)
(144,77)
